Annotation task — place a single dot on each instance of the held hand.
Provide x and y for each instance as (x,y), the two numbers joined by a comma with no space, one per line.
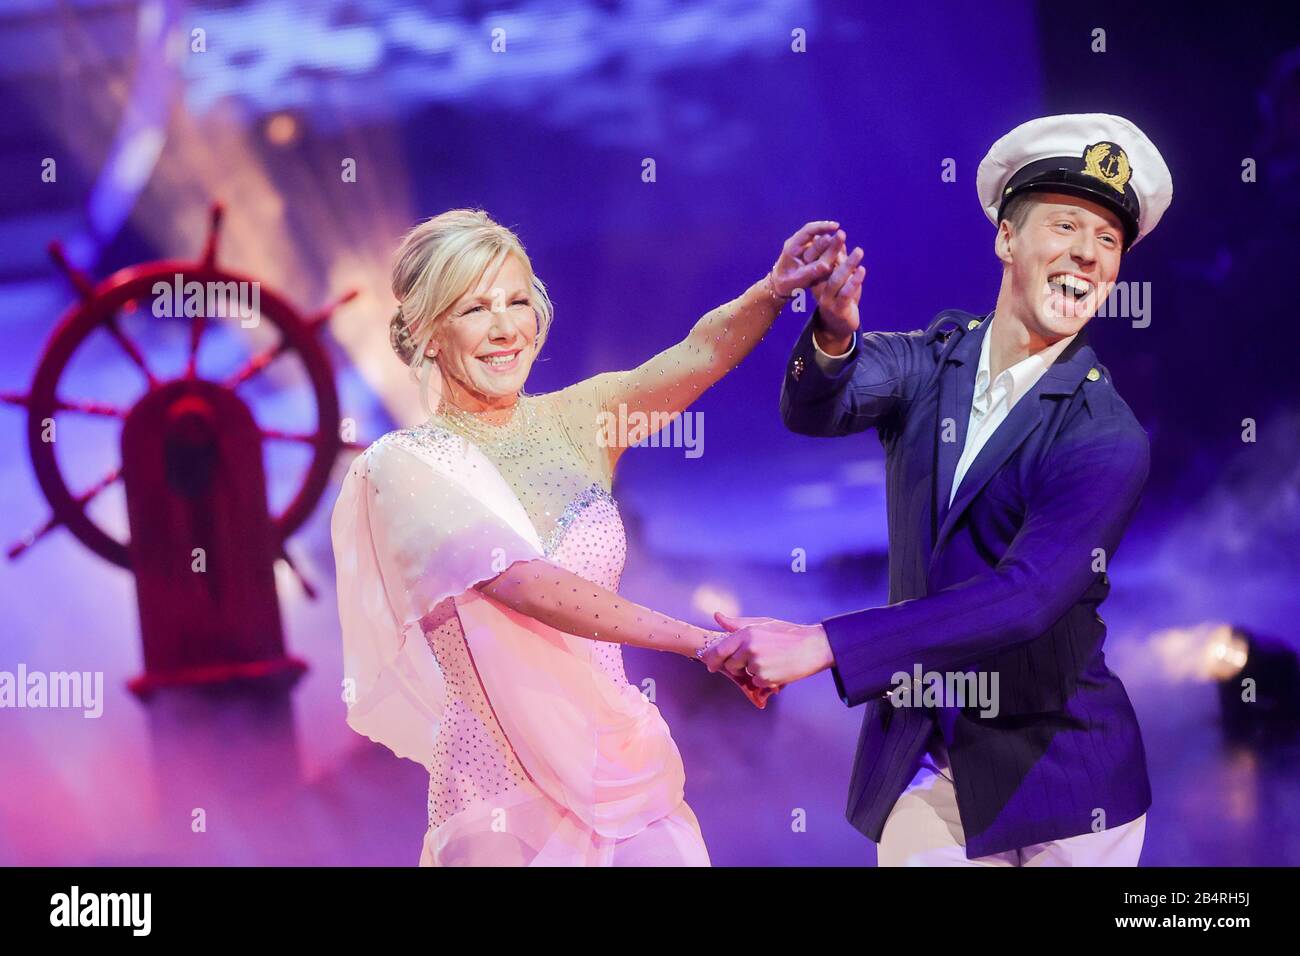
(839,293)
(769,652)
(805,258)
(758,696)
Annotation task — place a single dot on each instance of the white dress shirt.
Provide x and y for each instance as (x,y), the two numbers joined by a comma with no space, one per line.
(990,405)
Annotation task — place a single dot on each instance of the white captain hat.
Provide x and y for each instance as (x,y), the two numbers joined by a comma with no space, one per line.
(1097,156)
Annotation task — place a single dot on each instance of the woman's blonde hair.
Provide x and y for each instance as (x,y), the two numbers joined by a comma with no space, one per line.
(440,260)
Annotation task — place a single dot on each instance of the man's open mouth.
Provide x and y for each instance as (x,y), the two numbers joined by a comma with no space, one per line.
(1070,286)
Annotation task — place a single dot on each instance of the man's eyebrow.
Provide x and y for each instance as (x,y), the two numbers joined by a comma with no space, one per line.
(1075,212)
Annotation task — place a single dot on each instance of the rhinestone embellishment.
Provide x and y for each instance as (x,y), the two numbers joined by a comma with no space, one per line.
(588,496)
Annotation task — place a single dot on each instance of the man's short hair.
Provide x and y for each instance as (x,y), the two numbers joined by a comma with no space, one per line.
(1017,209)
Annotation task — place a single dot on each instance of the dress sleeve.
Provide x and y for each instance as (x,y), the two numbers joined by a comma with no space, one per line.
(622,408)
(406,536)
(582,409)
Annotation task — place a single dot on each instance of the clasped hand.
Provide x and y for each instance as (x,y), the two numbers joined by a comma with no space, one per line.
(762,654)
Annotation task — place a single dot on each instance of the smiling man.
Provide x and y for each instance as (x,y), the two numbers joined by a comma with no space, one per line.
(1013,467)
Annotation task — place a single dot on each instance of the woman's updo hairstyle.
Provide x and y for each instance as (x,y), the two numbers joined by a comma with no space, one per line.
(440,260)
(400,339)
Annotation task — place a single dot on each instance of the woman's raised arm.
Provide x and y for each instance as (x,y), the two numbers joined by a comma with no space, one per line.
(649,396)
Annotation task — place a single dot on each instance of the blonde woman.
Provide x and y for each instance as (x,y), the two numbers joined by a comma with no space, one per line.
(479,556)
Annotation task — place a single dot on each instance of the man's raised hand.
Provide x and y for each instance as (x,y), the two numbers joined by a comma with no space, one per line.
(805,258)
(838,296)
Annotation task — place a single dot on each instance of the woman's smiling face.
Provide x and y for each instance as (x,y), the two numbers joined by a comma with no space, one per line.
(486,342)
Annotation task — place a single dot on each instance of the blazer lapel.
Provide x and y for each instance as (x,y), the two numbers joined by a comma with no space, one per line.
(1062,378)
(956,390)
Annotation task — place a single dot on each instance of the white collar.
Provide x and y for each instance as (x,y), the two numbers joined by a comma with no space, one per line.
(1017,379)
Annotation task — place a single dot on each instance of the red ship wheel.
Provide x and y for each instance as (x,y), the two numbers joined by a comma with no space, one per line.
(100,306)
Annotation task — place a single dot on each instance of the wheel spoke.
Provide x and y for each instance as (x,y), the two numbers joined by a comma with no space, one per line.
(81,406)
(307,587)
(275,434)
(317,321)
(198,325)
(89,407)
(130,348)
(209,255)
(256,364)
(31,537)
(85,497)
(208,259)
(81,282)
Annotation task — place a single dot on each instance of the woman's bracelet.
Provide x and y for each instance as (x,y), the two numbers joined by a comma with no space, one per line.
(771,290)
(699,655)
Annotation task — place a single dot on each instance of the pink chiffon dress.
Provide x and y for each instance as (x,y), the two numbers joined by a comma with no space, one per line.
(539,750)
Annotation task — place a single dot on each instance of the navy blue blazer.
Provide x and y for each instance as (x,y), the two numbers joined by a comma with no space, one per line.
(1006,580)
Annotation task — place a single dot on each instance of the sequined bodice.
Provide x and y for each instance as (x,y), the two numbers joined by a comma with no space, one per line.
(565,493)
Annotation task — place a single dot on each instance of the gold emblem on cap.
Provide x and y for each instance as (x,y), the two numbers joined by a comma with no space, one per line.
(1093,375)
(1109,163)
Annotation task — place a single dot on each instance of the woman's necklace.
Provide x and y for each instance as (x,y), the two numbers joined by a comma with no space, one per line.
(513,438)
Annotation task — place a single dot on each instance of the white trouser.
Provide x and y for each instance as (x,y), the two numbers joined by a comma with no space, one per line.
(924,829)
